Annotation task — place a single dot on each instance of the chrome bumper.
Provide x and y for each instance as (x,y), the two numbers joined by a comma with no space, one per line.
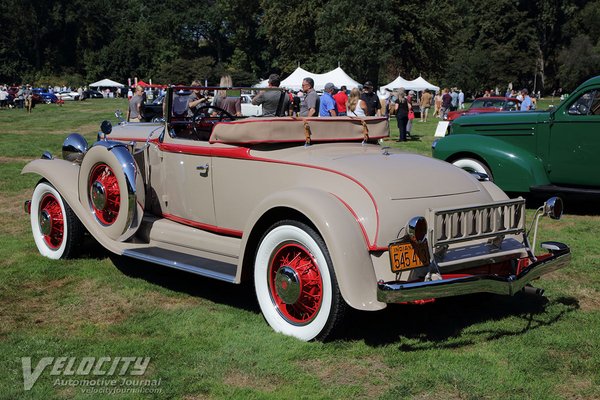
(395,292)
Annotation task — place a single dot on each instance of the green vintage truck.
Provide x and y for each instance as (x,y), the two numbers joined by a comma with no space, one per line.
(555,151)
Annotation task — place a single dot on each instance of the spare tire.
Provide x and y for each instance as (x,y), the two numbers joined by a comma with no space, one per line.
(111,186)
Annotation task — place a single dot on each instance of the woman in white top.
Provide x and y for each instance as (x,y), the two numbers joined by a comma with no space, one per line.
(355,106)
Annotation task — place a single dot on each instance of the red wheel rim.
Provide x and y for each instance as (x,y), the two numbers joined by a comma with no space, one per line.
(105,196)
(295,283)
(51,221)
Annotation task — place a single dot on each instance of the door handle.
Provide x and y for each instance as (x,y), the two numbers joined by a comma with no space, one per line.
(202,168)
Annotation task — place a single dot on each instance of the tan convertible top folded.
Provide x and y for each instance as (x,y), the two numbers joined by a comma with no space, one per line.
(290,129)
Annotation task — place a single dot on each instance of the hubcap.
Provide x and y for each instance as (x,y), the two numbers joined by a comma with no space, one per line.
(51,222)
(287,285)
(98,195)
(45,223)
(295,283)
(105,196)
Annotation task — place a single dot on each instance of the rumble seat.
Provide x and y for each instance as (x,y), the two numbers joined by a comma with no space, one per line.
(290,130)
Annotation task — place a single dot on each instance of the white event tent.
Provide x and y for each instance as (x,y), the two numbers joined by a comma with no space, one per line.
(294,82)
(106,83)
(337,76)
(418,84)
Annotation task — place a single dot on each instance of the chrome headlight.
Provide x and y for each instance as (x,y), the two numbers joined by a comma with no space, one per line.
(74,148)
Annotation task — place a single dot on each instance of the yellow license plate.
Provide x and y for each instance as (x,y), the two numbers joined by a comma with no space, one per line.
(408,255)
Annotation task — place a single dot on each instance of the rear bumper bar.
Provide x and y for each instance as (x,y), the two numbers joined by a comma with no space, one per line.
(395,292)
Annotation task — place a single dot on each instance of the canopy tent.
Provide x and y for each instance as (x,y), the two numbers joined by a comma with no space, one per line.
(148,85)
(338,77)
(418,84)
(106,83)
(294,82)
(399,82)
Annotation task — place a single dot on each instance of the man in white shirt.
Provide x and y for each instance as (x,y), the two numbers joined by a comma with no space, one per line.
(3,97)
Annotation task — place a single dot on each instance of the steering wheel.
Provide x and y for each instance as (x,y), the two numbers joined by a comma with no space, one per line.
(202,115)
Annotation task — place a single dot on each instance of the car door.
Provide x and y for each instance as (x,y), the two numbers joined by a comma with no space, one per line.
(574,148)
(186,181)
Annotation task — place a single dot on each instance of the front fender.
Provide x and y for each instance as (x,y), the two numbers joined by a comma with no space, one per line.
(64,176)
(342,235)
(513,168)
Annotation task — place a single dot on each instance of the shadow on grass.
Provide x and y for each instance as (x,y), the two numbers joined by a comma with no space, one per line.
(239,296)
(446,323)
(453,322)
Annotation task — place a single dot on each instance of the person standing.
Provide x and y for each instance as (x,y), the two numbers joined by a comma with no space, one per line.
(446,103)
(454,101)
(28,96)
(341,98)
(371,99)
(425,105)
(296,100)
(134,113)
(438,104)
(526,103)
(356,107)
(461,100)
(3,97)
(308,105)
(328,107)
(403,106)
(231,104)
(274,103)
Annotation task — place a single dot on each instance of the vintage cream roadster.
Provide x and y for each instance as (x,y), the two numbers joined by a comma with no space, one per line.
(314,210)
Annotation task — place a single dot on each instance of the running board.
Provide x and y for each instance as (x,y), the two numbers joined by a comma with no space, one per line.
(196,265)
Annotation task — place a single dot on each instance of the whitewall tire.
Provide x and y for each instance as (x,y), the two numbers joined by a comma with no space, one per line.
(472,165)
(57,231)
(295,282)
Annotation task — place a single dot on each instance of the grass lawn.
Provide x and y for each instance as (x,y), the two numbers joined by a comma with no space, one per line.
(207,339)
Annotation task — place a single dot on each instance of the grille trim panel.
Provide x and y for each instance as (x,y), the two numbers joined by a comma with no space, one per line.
(463,224)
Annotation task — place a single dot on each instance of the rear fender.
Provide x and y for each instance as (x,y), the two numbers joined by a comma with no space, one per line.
(340,231)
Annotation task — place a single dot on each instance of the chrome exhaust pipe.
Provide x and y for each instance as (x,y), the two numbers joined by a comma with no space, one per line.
(533,290)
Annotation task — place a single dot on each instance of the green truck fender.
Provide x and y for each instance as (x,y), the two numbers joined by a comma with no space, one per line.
(512,168)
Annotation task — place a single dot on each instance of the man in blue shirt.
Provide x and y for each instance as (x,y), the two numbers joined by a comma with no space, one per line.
(526,103)
(328,105)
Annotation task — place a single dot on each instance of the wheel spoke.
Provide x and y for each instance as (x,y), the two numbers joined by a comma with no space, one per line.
(51,221)
(296,258)
(104,181)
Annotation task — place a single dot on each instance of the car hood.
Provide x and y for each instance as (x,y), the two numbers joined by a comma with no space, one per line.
(394,176)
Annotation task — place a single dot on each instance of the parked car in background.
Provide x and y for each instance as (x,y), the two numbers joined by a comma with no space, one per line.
(92,94)
(68,95)
(45,95)
(13,99)
(153,111)
(554,151)
(249,109)
(487,104)
(302,207)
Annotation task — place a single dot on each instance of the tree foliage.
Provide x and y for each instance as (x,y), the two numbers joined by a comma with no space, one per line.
(474,44)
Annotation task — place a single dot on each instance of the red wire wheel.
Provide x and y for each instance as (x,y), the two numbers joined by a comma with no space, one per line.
(51,221)
(105,196)
(295,284)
